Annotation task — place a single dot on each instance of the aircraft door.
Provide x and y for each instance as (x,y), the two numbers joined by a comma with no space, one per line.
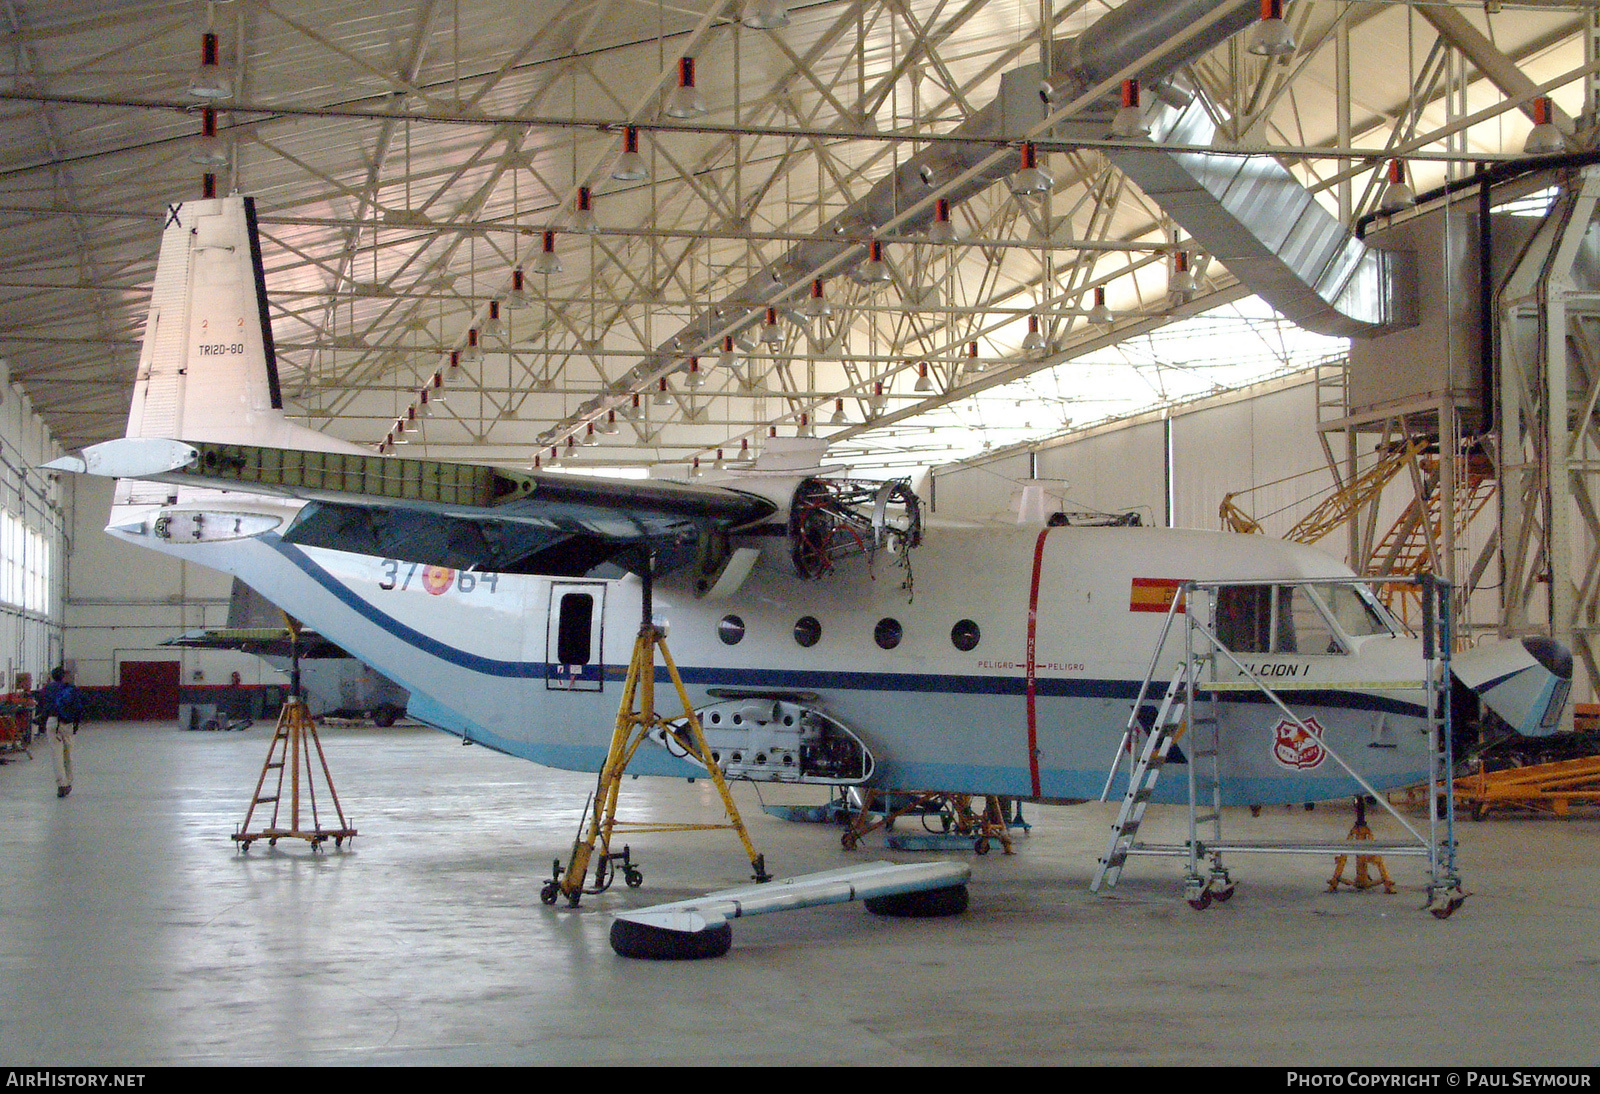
(574,650)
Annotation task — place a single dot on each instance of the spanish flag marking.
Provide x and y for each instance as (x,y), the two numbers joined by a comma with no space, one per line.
(1154,594)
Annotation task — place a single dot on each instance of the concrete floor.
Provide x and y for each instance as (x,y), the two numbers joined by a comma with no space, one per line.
(133,933)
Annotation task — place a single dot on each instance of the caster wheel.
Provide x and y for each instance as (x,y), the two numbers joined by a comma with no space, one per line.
(848,841)
(272,843)
(549,892)
(634,878)
(1201,902)
(338,841)
(1223,894)
(1479,811)
(1255,810)
(981,847)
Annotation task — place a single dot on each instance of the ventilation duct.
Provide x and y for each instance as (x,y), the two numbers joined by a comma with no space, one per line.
(1254,217)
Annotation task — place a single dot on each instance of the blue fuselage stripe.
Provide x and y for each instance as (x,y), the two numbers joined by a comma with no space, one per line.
(770,679)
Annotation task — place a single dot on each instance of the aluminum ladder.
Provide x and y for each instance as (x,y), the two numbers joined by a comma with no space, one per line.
(1164,732)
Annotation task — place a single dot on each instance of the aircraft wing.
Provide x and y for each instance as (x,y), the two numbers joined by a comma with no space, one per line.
(446,514)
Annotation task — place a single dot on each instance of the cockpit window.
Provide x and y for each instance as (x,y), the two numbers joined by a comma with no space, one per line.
(1273,619)
(1353,611)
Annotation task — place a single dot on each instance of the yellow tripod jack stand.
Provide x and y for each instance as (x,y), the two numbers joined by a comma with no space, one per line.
(636,719)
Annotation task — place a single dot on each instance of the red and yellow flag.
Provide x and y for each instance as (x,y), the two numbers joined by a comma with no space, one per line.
(1154,594)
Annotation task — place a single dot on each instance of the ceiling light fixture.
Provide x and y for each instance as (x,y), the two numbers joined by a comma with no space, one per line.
(727,358)
(491,322)
(1101,315)
(1031,180)
(924,384)
(1128,121)
(1033,342)
(765,14)
(815,306)
(630,166)
(517,298)
(685,100)
(583,218)
(210,80)
(940,230)
(879,401)
(974,364)
(696,379)
(839,417)
(548,261)
(662,397)
(771,333)
(874,272)
(473,352)
(1544,139)
(1396,195)
(1271,37)
(1180,285)
(209,148)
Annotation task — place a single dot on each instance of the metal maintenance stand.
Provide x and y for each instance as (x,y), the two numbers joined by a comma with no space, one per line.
(292,742)
(1190,706)
(636,718)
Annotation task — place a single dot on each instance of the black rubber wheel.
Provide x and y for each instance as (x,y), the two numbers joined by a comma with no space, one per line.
(848,840)
(646,943)
(549,892)
(980,847)
(1201,903)
(634,878)
(384,717)
(927,904)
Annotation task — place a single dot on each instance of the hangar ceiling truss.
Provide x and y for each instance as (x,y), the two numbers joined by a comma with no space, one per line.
(407,157)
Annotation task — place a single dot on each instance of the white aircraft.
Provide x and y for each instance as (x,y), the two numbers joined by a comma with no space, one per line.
(826,633)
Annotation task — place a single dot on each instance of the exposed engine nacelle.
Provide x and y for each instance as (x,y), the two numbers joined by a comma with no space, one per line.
(777,739)
(1526,683)
(831,519)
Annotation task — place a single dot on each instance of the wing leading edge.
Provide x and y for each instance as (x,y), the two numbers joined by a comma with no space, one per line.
(452,514)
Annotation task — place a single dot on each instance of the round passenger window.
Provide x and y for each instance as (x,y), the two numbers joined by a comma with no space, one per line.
(887,633)
(964,636)
(730,630)
(807,631)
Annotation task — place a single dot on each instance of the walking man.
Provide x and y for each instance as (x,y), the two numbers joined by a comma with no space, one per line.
(57,713)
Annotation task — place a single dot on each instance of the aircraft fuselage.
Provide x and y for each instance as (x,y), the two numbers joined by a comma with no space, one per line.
(996,660)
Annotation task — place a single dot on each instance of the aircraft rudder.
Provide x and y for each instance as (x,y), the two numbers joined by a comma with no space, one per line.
(208,366)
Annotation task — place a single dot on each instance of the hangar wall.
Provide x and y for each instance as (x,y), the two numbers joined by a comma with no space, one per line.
(1172,471)
(33,540)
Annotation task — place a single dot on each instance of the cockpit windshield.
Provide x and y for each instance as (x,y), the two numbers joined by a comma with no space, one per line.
(1295,618)
(1354,610)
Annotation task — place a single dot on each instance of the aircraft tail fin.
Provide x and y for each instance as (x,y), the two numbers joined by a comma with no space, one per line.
(208,370)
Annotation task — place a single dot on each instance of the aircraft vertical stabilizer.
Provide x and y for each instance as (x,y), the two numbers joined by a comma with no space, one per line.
(208,369)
